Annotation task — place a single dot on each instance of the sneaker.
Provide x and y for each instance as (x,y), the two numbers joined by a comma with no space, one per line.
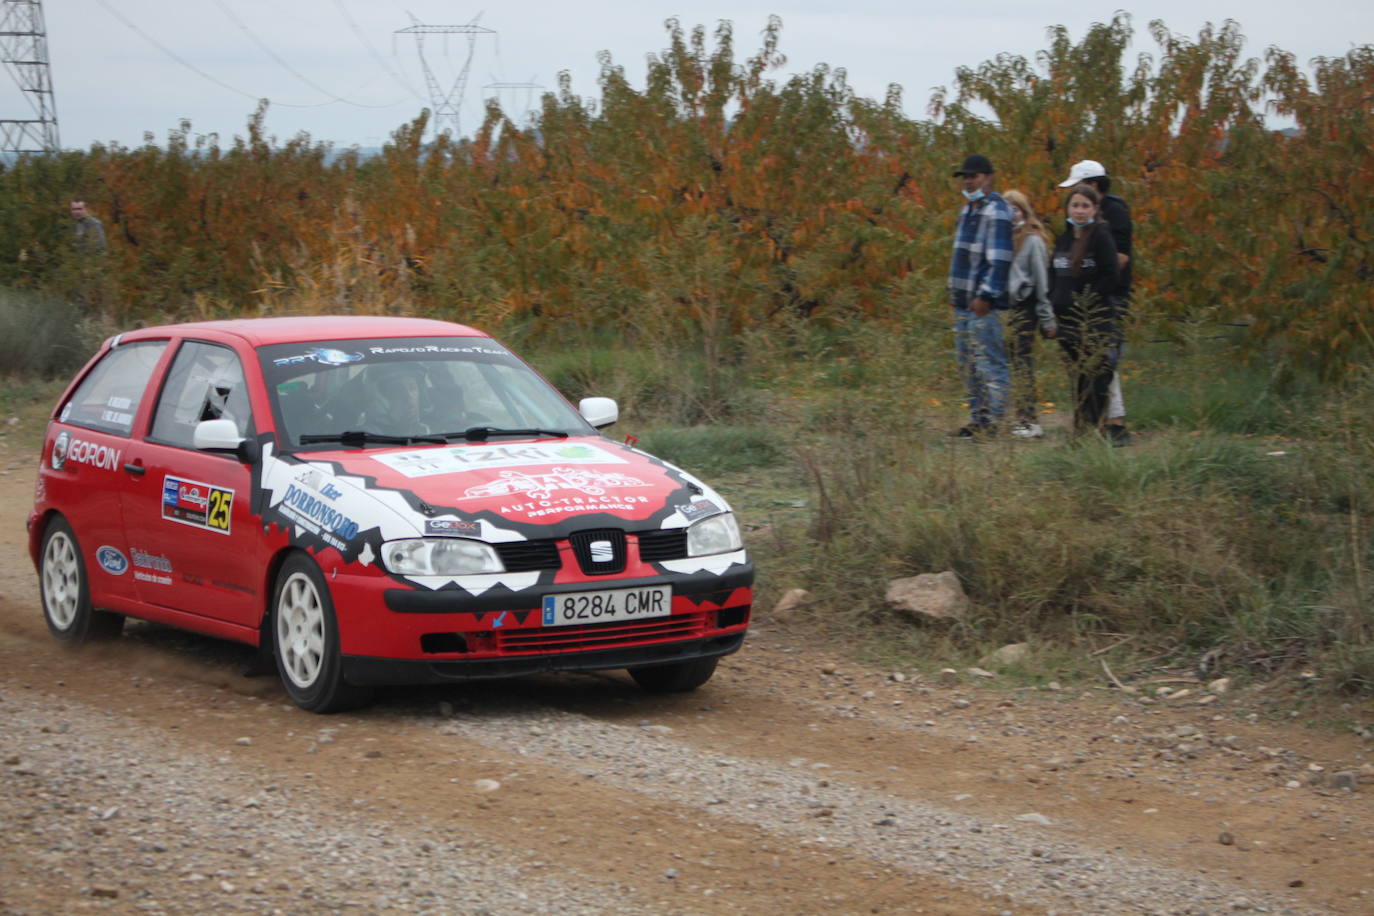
(1118,435)
(1027,429)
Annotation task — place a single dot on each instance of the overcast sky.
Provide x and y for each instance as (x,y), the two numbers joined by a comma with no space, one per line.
(121,68)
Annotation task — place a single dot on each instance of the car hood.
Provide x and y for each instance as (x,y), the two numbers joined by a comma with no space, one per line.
(355,499)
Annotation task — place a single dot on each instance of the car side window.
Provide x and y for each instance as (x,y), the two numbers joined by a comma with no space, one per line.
(108,398)
(205,383)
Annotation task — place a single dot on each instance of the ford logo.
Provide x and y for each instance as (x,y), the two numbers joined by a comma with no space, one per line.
(111,560)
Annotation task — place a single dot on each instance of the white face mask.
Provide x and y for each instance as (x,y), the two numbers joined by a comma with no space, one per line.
(974,195)
(1087,222)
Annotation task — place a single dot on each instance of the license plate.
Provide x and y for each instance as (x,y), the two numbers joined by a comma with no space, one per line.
(574,608)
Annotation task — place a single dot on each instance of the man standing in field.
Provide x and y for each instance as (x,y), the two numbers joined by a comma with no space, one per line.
(89,233)
(1117,213)
(978,296)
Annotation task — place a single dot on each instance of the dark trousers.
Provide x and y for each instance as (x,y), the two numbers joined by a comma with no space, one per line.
(1022,326)
(1090,338)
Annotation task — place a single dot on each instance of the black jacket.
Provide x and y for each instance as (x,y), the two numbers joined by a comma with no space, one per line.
(1084,298)
(1117,213)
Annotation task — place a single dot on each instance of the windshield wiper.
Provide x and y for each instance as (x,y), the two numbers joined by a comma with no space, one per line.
(357,438)
(483,433)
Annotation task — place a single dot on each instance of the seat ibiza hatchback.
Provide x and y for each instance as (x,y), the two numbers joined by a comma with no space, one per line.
(375,501)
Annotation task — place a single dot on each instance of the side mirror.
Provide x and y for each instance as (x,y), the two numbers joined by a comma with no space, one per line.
(216,435)
(223,436)
(600,412)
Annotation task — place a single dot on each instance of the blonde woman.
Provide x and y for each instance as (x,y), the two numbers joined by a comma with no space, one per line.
(1029,288)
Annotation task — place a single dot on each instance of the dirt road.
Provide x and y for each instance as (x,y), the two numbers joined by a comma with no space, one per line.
(151,776)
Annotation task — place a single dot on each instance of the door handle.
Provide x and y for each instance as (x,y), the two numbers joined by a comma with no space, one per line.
(137,469)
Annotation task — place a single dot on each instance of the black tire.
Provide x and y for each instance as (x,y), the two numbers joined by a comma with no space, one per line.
(305,640)
(66,592)
(677,677)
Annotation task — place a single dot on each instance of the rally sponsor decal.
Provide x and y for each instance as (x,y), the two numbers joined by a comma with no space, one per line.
(151,567)
(316,515)
(484,349)
(456,459)
(316,481)
(453,527)
(111,560)
(698,508)
(541,489)
(82,451)
(320,355)
(198,504)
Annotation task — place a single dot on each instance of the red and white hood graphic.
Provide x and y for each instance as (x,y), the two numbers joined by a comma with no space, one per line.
(354,500)
(536,482)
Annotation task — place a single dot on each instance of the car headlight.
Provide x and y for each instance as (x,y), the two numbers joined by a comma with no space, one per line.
(717,534)
(440,557)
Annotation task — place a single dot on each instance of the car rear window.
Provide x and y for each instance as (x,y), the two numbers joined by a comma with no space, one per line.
(108,398)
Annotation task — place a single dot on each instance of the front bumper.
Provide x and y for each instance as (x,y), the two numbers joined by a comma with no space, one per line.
(377,672)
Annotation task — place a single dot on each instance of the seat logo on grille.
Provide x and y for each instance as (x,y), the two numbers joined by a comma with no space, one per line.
(602,552)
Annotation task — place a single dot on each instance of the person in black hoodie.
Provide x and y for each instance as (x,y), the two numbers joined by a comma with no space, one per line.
(1117,214)
(1082,290)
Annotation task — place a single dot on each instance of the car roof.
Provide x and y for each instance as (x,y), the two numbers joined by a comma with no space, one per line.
(259,332)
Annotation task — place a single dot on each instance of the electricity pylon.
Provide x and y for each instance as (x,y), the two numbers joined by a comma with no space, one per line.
(446,105)
(24,51)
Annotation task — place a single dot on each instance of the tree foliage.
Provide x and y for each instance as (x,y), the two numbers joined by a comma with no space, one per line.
(715,200)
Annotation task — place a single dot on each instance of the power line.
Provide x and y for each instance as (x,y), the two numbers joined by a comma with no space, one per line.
(290,69)
(192,67)
(381,61)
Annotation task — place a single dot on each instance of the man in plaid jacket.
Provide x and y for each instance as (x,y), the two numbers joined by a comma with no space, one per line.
(978,295)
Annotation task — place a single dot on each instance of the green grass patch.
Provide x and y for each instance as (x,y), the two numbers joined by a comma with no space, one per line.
(714,449)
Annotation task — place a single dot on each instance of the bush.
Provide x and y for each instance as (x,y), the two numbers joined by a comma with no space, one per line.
(43,336)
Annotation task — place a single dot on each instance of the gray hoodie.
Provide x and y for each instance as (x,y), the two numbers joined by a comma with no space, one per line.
(1029,279)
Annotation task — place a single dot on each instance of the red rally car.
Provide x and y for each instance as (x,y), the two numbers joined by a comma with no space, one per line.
(378,501)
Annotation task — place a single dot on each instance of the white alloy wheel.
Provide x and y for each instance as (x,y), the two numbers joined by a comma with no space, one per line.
(61,580)
(300,630)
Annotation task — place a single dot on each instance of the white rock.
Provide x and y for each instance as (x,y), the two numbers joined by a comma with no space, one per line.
(1220,685)
(1034,817)
(793,600)
(486,785)
(929,598)
(978,672)
(1011,654)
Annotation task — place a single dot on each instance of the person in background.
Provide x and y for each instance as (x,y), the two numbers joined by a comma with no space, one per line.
(1117,214)
(88,231)
(1029,289)
(978,295)
(1085,307)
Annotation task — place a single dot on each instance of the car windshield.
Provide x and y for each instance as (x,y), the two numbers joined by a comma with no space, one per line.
(388,390)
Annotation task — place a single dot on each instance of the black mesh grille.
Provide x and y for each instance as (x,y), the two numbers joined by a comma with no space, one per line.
(657,546)
(526,556)
(599,551)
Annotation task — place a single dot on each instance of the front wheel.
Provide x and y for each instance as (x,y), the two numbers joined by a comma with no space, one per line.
(305,640)
(66,593)
(676,677)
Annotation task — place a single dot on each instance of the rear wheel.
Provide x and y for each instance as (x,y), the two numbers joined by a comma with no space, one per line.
(677,677)
(305,640)
(66,593)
